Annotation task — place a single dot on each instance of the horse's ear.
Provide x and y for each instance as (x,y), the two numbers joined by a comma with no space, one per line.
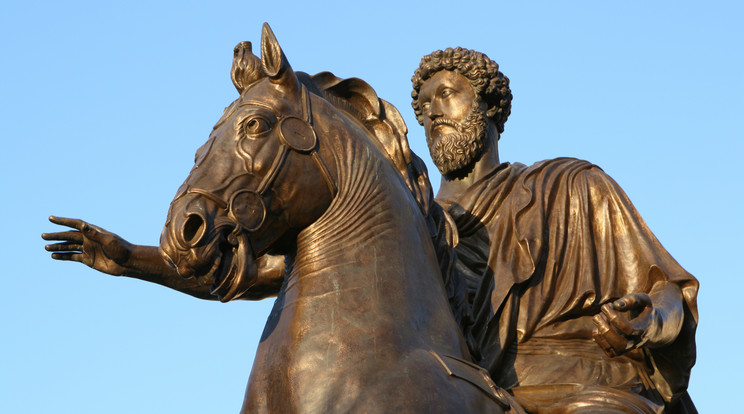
(273,61)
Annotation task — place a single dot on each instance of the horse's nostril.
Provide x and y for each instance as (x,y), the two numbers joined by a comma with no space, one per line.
(193,229)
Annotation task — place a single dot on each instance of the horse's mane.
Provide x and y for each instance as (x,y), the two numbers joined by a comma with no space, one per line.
(358,99)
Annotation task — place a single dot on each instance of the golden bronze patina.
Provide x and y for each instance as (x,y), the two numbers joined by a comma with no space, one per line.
(516,289)
(576,305)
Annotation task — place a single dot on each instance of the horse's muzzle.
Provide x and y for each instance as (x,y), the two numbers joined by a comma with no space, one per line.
(193,235)
(199,239)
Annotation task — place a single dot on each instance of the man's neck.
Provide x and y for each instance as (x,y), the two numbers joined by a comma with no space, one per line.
(452,187)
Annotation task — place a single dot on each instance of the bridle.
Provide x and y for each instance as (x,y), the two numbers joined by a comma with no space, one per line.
(246,209)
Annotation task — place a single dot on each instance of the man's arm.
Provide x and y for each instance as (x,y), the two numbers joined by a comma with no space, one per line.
(108,253)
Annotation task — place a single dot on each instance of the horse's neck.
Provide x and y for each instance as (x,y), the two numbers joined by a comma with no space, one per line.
(366,207)
(363,301)
(367,267)
(359,218)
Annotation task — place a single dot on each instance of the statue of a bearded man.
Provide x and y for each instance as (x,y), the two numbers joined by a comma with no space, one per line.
(575,303)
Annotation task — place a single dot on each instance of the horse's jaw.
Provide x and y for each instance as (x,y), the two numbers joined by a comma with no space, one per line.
(226,259)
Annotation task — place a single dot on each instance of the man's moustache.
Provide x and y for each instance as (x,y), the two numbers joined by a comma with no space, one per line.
(448,122)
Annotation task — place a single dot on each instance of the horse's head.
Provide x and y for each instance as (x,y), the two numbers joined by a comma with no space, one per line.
(256,182)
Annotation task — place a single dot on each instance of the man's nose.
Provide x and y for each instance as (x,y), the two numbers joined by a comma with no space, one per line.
(435,109)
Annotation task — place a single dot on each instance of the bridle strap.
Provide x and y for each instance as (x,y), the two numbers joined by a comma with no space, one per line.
(303,129)
(307,113)
(307,117)
(268,179)
(326,174)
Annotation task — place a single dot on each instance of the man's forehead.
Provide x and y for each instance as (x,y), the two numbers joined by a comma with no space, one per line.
(448,78)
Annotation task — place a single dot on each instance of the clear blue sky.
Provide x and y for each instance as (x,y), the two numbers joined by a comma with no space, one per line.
(104,103)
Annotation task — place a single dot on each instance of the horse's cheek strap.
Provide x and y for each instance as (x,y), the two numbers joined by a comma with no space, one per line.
(307,113)
(274,171)
(326,174)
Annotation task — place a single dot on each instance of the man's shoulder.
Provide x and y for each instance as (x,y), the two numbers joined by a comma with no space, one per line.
(508,174)
(510,181)
(560,164)
(563,167)
(569,174)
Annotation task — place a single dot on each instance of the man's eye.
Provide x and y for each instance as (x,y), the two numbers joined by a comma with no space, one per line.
(446,93)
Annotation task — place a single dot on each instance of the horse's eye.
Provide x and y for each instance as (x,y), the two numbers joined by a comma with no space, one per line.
(256,125)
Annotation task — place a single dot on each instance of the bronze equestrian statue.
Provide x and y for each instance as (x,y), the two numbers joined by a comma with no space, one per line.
(316,169)
(545,276)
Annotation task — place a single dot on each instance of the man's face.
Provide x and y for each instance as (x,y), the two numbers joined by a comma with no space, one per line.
(454,121)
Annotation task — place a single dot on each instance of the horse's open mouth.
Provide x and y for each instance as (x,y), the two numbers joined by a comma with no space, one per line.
(222,267)
(234,270)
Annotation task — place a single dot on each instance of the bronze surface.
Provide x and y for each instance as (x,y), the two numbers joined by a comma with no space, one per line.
(306,190)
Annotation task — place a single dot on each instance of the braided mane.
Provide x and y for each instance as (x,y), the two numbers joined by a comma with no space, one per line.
(357,98)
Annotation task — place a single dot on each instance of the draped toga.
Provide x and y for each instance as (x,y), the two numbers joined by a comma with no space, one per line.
(542,248)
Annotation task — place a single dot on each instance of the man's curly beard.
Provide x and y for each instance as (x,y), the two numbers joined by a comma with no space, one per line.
(454,152)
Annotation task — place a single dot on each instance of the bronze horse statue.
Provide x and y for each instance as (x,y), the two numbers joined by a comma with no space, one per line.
(362,321)
(317,169)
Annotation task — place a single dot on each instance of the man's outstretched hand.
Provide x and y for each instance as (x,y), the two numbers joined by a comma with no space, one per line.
(109,253)
(89,244)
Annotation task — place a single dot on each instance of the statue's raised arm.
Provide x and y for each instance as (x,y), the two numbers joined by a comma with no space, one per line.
(108,253)
(95,247)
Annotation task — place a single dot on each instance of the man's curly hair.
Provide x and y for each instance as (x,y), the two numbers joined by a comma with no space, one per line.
(483,73)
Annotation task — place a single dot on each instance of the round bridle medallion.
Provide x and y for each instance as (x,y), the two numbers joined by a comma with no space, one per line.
(247,208)
(297,134)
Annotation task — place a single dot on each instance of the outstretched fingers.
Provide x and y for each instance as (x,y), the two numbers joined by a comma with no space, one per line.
(64,247)
(68,236)
(73,257)
(72,241)
(71,246)
(83,228)
(69,222)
